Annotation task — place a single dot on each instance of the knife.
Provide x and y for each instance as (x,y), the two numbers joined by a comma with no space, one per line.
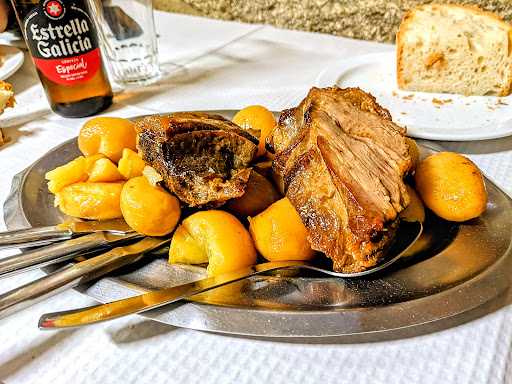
(155,299)
(66,250)
(71,276)
(45,235)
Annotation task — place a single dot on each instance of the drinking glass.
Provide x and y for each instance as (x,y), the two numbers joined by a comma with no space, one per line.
(127,33)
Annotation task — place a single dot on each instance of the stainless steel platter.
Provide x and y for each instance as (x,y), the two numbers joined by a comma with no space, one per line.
(453,269)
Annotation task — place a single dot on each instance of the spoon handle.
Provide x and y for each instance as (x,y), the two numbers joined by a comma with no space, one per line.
(33,237)
(156,299)
(58,252)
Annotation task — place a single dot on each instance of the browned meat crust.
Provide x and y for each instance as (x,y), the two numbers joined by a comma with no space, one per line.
(203,159)
(343,160)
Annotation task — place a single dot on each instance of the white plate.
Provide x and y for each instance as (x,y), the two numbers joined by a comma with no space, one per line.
(11,59)
(436,116)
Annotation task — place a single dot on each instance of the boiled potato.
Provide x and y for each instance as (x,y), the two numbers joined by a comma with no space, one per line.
(67,174)
(259,121)
(108,136)
(131,164)
(259,194)
(414,152)
(279,233)
(452,186)
(91,160)
(186,249)
(148,209)
(264,168)
(216,237)
(415,211)
(94,201)
(104,170)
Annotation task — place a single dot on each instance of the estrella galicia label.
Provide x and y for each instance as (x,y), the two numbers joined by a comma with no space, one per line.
(63,42)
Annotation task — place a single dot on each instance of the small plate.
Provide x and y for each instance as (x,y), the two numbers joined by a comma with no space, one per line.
(435,116)
(11,59)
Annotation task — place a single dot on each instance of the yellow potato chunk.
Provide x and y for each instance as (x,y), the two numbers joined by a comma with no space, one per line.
(452,186)
(218,234)
(259,194)
(131,164)
(148,209)
(415,211)
(67,174)
(94,201)
(152,175)
(108,136)
(279,233)
(91,160)
(259,121)
(104,171)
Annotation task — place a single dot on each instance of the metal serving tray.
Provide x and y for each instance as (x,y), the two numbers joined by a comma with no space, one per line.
(455,268)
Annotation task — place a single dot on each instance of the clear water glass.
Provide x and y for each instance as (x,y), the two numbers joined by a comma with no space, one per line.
(127,32)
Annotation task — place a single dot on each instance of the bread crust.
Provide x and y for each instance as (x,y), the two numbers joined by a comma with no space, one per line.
(9,101)
(408,23)
(7,88)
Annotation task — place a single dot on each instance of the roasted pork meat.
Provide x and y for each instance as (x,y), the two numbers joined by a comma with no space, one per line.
(202,158)
(343,160)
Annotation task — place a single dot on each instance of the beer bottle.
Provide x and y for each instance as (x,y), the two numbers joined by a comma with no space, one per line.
(63,42)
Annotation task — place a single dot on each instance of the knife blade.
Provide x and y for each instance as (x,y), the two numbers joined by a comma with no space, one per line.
(45,235)
(78,273)
(58,252)
(154,299)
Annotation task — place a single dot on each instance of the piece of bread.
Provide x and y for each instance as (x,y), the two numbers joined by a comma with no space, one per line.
(454,49)
(6,101)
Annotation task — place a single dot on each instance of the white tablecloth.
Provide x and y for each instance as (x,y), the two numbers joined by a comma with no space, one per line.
(224,65)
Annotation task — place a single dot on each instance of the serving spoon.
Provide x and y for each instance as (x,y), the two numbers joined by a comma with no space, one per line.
(165,296)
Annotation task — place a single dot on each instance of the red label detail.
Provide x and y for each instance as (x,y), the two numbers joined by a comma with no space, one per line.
(71,70)
(54,8)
